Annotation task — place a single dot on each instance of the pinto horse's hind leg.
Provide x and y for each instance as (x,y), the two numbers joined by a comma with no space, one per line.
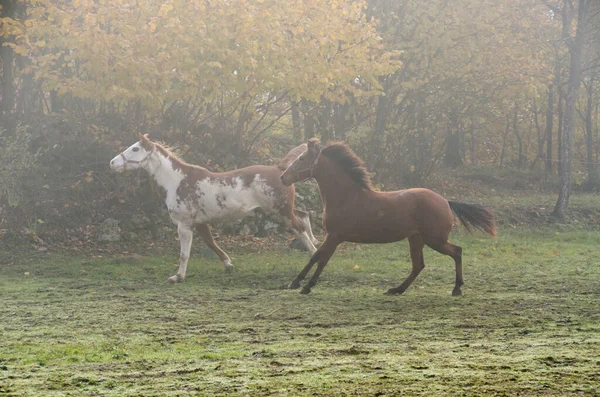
(185,239)
(207,236)
(418,263)
(298,228)
(305,219)
(456,253)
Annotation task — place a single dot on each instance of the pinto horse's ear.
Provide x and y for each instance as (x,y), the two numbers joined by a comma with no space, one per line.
(145,141)
(314,145)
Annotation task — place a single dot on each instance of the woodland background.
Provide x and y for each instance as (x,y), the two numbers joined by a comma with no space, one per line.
(429,93)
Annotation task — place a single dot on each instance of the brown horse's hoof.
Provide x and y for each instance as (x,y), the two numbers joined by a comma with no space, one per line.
(305,290)
(394,291)
(456,292)
(293,285)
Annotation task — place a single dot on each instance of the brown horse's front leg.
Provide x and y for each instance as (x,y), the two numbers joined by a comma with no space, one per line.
(326,250)
(295,284)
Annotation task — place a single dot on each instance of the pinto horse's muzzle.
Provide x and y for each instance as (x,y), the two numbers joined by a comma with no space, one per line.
(291,175)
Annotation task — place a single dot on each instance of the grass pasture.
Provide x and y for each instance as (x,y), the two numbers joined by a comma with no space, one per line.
(528,323)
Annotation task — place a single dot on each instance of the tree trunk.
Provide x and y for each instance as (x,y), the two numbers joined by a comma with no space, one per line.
(597,146)
(325,122)
(379,131)
(453,158)
(297,128)
(27,97)
(559,134)
(520,159)
(591,164)
(474,160)
(7,86)
(506,129)
(541,136)
(309,122)
(575,50)
(341,120)
(549,125)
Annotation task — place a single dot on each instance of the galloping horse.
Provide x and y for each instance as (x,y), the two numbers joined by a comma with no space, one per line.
(196,197)
(355,212)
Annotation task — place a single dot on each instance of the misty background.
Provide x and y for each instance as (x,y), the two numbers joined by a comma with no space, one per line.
(480,100)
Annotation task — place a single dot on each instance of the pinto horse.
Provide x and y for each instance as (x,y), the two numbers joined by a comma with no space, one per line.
(196,197)
(355,212)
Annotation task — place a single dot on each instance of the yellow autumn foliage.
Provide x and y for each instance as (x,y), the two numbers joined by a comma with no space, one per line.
(159,51)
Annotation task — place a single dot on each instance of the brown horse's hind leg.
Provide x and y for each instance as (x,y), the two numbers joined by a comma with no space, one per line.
(207,236)
(418,263)
(456,253)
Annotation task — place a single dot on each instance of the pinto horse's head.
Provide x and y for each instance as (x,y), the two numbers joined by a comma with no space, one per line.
(134,156)
(304,166)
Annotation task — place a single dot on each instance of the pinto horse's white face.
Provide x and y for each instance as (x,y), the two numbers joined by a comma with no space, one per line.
(134,157)
(304,166)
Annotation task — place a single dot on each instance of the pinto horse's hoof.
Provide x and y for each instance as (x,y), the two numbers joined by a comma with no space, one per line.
(175,279)
(456,292)
(394,291)
(228,266)
(305,290)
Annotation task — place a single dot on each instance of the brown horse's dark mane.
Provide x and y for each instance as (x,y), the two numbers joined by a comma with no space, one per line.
(341,154)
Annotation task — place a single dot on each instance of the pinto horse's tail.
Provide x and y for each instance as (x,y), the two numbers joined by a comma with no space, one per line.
(474,215)
(292,155)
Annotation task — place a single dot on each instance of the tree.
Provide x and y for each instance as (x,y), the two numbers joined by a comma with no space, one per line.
(8,12)
(575,46)
(232,65)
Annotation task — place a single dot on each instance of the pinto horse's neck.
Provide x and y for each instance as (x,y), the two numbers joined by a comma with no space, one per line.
(164,172)
(334,184)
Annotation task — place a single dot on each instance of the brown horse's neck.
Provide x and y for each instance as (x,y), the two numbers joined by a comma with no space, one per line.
(334,184)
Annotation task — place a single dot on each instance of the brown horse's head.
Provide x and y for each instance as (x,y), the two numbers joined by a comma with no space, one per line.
(303,167)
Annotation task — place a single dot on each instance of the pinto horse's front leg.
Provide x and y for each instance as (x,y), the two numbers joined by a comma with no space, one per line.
(207,236)
(185,239)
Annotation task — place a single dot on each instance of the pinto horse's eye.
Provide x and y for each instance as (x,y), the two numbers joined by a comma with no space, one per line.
(136,149)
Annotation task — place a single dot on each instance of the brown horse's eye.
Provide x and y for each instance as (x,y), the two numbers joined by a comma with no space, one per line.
(135,149)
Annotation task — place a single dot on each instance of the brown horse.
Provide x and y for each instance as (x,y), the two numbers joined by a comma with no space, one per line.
(355,212)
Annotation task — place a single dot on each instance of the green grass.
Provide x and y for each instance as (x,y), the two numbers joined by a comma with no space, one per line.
(528,323)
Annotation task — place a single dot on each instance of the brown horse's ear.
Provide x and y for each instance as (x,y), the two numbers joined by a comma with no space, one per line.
(314,145)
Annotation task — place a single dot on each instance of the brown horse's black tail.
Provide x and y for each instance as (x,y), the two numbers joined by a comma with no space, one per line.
(474,215)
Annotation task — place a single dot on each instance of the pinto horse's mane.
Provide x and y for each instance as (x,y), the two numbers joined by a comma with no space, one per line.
(291,156)
(168,152)
(341,154)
